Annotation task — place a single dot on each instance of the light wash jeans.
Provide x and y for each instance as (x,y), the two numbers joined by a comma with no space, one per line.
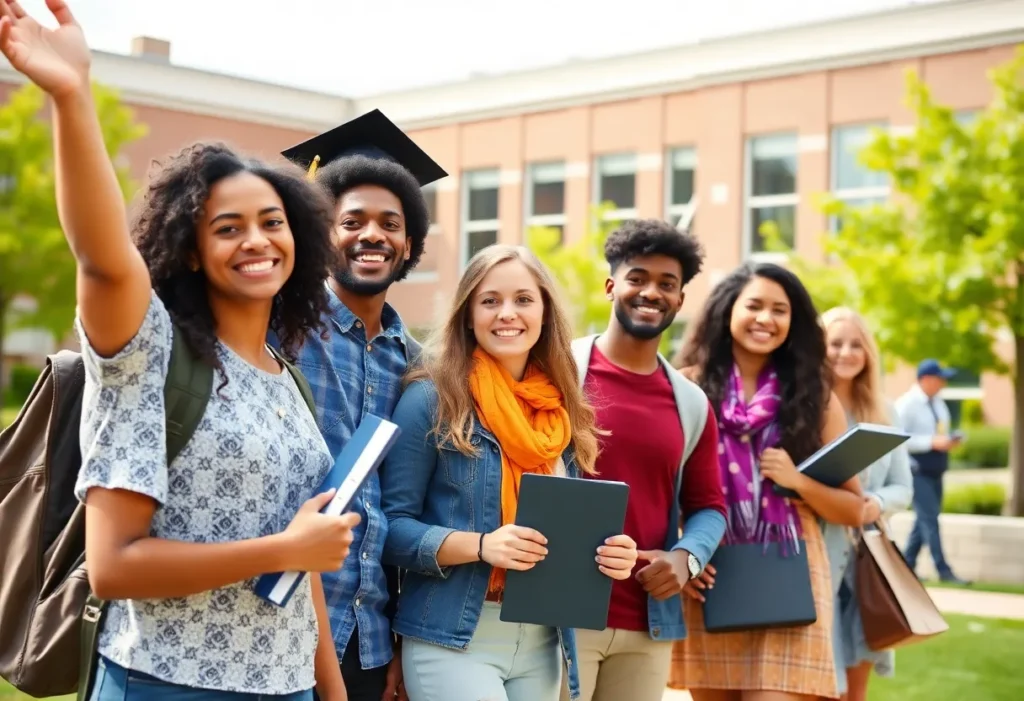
(115,683)
(504,662)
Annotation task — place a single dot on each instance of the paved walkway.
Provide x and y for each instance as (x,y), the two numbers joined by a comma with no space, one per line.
(978,603)
(963,601)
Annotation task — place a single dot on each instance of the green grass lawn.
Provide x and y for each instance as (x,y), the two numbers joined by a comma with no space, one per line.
(977,660)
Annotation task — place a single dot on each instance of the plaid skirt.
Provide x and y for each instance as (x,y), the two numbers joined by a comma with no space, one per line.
(796,660)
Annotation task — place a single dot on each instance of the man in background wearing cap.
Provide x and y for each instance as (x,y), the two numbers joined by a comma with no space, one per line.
(374,173)
(925,416)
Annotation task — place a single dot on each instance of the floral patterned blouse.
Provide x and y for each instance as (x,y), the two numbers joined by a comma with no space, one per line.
(255,457)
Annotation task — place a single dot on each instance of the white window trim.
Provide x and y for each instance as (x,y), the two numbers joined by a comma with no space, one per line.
(852,193)
(468,227)
(531,220)
(674,209)
(751,202)
(595,195)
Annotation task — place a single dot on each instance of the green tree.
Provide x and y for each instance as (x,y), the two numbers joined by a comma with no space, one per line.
(35,261)
(938,269)
(579,268)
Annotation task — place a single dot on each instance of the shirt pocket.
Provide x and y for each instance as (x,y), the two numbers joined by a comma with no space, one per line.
(460,469)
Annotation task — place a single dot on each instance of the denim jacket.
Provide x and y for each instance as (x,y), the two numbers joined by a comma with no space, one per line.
(428,492)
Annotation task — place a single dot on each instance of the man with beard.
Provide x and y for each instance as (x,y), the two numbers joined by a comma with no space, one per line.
(374,173)
(663,443)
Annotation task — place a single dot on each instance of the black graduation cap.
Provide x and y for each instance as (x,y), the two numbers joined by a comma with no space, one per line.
(373,135)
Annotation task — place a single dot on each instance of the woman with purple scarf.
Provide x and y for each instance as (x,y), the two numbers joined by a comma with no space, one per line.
(758,352)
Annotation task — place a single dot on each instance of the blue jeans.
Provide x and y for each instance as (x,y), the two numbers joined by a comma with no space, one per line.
(927,506)
(115,683)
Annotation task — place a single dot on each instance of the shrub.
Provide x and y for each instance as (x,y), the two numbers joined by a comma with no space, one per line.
(23,379)
(985,499)
(971,413)
(983,446)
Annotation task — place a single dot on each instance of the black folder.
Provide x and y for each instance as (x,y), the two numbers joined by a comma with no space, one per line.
(757,588)
(848,455)
(565,590)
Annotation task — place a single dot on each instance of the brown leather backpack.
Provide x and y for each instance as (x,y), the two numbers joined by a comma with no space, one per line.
(48,617)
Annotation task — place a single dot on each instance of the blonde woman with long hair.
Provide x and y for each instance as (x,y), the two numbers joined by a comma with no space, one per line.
(888,488)
(496,396)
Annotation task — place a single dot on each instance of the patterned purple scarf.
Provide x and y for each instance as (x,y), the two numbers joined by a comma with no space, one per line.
(745,430)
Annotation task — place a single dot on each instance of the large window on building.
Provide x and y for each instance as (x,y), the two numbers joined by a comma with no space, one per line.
(545,196)
(771,168)
(679,180)
(616,184)
(479,211)
(852,181)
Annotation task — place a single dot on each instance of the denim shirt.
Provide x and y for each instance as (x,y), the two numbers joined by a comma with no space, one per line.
(352,376)
(428,492)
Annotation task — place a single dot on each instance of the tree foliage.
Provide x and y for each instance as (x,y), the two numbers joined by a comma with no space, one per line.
(940,259)
(35,261)
(938,269)
(579,268)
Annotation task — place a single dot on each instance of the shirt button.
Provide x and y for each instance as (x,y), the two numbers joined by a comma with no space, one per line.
(369,347)
(358,601)
(367,505)
(656,632)
(369,390)
(744,438)
(359,324)
(365,555)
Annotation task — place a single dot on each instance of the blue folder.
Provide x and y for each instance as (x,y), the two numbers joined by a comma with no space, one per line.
(355,463)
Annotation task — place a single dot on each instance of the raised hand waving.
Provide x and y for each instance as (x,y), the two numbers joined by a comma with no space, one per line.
(57,60)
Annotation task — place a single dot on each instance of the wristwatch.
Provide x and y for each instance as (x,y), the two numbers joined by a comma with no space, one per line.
(693,564)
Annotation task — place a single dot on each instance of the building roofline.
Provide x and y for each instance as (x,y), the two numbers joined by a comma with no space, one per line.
(891,34)
(542,71)
(853,40)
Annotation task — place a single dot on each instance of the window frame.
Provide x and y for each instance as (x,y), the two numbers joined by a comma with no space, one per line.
(752,202)
(468,226)
(675,209)
(600,163)
(530,219)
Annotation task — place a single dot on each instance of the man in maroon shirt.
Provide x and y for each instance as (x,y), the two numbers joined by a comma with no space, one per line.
(663,443)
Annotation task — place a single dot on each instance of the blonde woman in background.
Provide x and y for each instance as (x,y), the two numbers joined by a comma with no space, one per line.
(888,488)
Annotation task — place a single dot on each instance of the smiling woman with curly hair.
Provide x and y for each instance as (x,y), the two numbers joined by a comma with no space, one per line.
(166,233)
(224,249)
(758,352)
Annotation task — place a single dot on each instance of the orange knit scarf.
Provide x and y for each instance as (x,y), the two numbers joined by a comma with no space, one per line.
(530,423)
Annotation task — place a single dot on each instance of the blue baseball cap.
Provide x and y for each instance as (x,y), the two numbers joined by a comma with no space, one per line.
(932,368)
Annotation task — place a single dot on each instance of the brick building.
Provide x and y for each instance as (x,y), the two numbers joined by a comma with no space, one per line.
(753,126)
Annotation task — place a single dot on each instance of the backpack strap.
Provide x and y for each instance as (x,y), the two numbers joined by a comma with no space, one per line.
(300,380)
(186,394)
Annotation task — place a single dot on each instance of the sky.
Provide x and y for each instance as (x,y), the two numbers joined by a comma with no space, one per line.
(367,47)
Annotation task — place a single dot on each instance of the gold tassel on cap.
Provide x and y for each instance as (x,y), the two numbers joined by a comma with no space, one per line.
(312,167)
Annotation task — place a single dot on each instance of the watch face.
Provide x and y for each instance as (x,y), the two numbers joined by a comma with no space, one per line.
(694,565)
